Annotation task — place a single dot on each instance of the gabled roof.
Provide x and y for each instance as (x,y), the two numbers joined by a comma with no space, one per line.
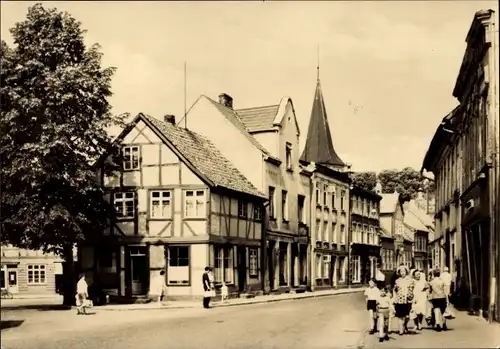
(389,203)
(416,214)
(385,231)
(319,144)
(201,156)
(413,222)
(259,119)
(234,118)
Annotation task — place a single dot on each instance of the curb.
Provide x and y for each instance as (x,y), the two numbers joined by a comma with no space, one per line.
(251,302)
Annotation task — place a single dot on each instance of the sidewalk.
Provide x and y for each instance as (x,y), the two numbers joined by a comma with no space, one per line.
(228,303)
(465,331)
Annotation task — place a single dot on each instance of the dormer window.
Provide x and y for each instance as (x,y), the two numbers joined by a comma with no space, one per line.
(288,154)
(131,158)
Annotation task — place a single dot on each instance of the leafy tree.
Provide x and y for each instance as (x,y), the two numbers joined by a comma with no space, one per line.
(54,117)
(407,182)
(364,180)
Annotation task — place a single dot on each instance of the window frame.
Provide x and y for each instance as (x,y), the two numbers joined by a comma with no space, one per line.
(161,198)
(284,206)
(272,202)
(242,209)
(169,265)
(224,255)
(123,200)
(193,199)
(257,212)
(254,274)
(301,208)
(129,159)
(356,277)
(288,156)
(39,269)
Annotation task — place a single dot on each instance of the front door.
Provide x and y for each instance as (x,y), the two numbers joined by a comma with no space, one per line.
(12,281)
(139,270)
(271,255)
(242,268)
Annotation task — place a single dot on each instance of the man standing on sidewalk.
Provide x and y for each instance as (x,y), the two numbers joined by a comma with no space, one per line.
(207,289)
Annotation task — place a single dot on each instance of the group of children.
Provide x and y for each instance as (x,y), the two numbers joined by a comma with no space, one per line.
(427,299)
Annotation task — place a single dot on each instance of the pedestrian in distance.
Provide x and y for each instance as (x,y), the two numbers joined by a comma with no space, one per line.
(208,291)
(384,309)
(419,306)
(224,292)
(372,293)
(438,299)
(403,298)
(158,288)
(82,293)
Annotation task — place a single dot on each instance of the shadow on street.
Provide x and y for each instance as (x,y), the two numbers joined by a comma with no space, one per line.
(10,324)
(39,307)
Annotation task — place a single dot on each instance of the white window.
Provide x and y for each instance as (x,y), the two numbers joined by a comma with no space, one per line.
(242,209)
(342,234)
(325,231)
(178,265)
(334,233)
(325,193)
(160,202)
(124,205)
(318,230)
(365,234)
(317,193)
(36,274)
(289,165)
(375,237)
(131,158)
(342,269)
(333,198)
(194,204)
(356,269)
(257,212)
(326,266)
(319,267)
(342,196)
(253,267)
(284,205)
(224,268)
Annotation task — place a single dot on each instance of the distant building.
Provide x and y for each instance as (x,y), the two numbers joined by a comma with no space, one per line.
(180,206)
(330,209)
(365,232)
(30,272)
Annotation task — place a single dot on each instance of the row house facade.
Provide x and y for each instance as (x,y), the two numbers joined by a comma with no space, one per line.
(416,221)
(365,234)
(330,209)
(263,142)
(396,238)
(472,130)
(179,206)
(30,272)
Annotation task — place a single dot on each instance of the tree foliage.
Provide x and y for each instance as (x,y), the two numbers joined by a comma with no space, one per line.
(364,180)
(54,117)
(406,182)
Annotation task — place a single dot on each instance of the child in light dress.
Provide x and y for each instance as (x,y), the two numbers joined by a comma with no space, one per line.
(372,293)
(224,292)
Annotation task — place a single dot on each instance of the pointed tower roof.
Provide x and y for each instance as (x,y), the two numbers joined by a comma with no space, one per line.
(319,144)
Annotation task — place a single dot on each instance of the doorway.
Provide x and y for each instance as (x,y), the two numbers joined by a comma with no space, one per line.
(271,257)
(242,268)
(12,280)
(139,270)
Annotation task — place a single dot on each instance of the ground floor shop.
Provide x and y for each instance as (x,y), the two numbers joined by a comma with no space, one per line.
(286,261)
(364,260)
(126,270)
(330,268)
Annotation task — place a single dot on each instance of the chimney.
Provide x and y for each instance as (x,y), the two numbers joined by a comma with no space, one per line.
(169,119)
(226,100)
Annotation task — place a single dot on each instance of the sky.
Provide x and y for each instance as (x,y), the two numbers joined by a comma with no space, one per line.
(387,69)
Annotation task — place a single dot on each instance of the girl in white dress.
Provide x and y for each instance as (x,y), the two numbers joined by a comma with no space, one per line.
(420,298)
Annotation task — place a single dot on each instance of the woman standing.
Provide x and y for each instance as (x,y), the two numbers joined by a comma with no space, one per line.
(403,298)
(420,298)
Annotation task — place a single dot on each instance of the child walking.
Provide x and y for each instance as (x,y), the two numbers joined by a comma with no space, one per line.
(372,293)
(384,310)
(224,292)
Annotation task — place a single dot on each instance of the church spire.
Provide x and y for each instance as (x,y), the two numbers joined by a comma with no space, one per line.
(319,144)
(317,67)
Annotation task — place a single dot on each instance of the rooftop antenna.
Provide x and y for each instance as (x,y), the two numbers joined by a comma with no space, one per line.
(185,93)
(317,67)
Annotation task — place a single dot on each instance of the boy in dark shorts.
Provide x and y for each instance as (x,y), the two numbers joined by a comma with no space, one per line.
(372,293)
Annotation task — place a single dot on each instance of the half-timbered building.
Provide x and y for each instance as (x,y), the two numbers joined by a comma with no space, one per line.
(180,206)
(263,144)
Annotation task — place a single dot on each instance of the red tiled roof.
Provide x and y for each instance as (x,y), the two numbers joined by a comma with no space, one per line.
(203,156)
(258,118)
